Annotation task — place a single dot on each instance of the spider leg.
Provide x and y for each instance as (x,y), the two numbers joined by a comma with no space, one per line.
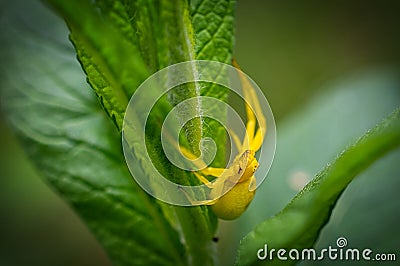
(236,140)
(197,202)
(196,161)
(262,124)
(212,171)
(204,180)
(254,137)
(251,119)
(216,172)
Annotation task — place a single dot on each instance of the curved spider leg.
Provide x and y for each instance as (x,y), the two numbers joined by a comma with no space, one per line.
(212,171)
(254,99)
(204,180)
(251,118)
(262,124)
(236,140)
(256,138)
(198,202)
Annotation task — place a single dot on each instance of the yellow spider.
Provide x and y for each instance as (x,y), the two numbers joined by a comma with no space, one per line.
(240,174)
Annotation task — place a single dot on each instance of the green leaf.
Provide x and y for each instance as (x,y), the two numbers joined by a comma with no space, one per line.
(214,34)
(148,31)
(77,149)
(299,223)
(177,45)
(214,29)
(72,142)
(105,45)
(115,67)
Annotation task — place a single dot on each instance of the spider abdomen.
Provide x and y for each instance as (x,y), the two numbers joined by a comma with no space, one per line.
(231,205)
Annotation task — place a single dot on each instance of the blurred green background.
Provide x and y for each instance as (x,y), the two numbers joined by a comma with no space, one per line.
(330,71)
